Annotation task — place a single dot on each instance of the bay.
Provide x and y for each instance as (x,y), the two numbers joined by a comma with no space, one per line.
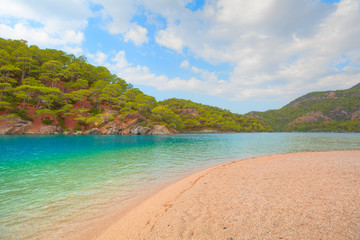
(51,184)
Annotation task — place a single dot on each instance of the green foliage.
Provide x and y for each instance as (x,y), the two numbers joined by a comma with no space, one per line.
(77,127)
(5,105)
(317,111)
(21,114)
(165,115)
(197,117)
(47,121)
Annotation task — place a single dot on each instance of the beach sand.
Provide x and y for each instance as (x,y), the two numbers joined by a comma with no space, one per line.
(287,196)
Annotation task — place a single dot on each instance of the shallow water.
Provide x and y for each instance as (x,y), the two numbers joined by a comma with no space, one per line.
(48,183)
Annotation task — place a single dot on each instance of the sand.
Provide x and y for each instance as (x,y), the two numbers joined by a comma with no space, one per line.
(288,196)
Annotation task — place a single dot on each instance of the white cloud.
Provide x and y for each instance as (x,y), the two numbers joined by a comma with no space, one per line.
(73,50)
(99,58)
(168,39)
(137,34)
(117,14)
(185,64)
(44,23)
(279,48)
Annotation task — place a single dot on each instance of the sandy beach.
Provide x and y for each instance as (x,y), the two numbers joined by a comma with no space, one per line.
(287,196)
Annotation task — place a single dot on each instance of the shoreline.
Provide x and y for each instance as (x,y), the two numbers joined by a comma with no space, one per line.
(174,209)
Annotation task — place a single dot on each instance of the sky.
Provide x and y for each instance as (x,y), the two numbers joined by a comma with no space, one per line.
(241,55)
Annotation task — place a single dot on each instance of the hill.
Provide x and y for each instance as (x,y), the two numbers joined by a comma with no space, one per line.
(198,117)
(337,111)
(47,91)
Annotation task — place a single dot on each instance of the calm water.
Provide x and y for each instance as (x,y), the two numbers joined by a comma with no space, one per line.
(50,183)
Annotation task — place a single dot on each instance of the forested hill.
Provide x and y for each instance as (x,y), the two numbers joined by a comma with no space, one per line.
(47,91)
(196,117)
(337,111)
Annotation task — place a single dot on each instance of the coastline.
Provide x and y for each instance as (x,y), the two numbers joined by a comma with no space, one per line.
(275,196)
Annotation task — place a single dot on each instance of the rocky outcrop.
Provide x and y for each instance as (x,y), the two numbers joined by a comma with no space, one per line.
(47,130)
(310,117)
(209,131)
(355,115)
(93,131)
(126,127)
(110,129)
(159,130)
(14,126)
(139,130)
(189,112)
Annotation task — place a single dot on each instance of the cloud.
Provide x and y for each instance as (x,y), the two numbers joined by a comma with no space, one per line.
(278,48)
(117,14)
(185,64)
(137,34)
(168,39)
(44,23)
(77,51)
(99,58)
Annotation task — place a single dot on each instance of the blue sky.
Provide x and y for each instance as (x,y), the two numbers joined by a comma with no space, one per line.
(241,55)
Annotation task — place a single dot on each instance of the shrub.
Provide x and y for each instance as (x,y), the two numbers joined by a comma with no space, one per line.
(47,121)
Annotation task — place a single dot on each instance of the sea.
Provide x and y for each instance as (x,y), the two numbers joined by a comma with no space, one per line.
(52,186)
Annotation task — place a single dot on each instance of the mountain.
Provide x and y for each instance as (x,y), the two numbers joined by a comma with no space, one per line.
(47,91)
(337,111)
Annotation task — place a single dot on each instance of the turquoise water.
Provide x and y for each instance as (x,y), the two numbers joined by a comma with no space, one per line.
(52,183)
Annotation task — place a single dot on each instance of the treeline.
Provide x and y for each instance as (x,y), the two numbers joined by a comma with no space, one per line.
(55,85)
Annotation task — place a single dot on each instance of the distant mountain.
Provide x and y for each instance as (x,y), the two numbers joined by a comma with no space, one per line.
(337,111)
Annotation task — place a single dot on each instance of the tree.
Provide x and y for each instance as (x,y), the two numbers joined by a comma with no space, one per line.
(80,95)
(20,92)
(145,103)
(67,110)
(42,113)
(32,82)
(163,114)
(24,60)
(51,70)
(100,74)
(5,88)
(81,84)
(133,93)
(4,57)
(9,71)
(5,105)
(73,72)
(111,93)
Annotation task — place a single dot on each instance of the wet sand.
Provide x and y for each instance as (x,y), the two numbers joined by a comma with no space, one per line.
(287,196)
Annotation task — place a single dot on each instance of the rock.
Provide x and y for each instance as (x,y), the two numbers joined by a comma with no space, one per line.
(189,112)
(110,129)
(208,131)
(47,130)
(93,131)
(59,130)
(139,130)
(159,130)
(78,133)
(66,133)
(14,126)
(143,130)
